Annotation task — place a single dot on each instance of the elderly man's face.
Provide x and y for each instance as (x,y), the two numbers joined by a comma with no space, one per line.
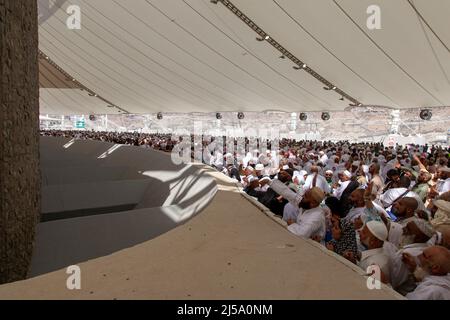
(328,176)
(365,235)
(428,260)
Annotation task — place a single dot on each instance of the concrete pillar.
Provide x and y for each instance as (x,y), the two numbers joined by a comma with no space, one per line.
(19,136)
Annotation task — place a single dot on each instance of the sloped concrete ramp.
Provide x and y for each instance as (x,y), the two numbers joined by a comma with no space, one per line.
(98,198)
(231,250)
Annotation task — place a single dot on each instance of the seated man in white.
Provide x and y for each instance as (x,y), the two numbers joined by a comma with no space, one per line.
(356,199)
(310,222)
(431,270)
(404,209)
(372,236)
(415,238)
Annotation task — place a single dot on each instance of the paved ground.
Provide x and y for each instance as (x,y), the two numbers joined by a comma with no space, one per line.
(231,250)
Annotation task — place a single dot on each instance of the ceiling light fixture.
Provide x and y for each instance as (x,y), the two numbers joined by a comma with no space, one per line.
(299,68)
(325,116)
(425,114)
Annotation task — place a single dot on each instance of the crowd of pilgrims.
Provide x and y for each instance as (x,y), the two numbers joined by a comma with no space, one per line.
(387,207)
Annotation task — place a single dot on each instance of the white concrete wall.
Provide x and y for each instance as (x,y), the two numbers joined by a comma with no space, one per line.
(74,178)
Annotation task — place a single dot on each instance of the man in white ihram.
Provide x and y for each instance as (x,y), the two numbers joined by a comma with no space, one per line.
(309,220)
(373,235)
(431,270)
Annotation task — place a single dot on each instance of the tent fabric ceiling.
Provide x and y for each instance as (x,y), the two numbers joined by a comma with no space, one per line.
(195,56)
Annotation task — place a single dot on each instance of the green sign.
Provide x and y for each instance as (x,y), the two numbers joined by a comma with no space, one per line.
(80,124)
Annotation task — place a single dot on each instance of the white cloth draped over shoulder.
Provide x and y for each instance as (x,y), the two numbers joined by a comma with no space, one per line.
(391,195)
(432,288)
(309,223)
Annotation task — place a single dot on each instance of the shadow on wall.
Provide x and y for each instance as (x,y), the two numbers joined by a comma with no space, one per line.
(48,8)
(78,185)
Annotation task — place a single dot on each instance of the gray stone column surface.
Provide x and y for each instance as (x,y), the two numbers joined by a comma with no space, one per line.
(19,136)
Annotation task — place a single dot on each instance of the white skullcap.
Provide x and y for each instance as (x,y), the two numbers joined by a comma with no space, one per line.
(365,168)
(321,153)
(329,171)
(355,163)
(378,229)
(265,178)
(346,173)
(285,167)
(252,178)
(249,168)
(303,172)
(259,167)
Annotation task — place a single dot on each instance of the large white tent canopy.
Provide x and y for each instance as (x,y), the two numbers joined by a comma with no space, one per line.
(148,56)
